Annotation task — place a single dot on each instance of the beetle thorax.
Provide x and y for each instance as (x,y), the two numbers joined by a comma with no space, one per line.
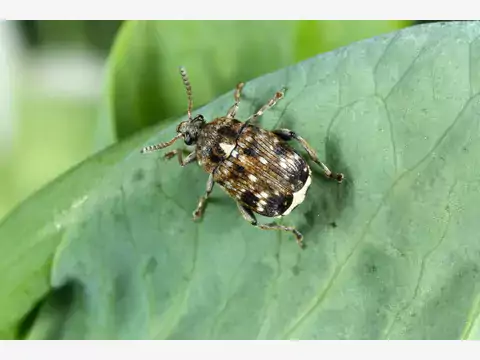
(216,142)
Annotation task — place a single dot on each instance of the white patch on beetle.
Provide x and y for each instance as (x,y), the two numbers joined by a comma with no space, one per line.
(235,153)
(252,177)
(259,208)
(227,148)
(299,195)
(264,194)
(263,202)
(262,160)
(283,164)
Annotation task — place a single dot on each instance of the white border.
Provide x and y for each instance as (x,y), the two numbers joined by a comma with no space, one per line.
(288,350)
(240,9)
(246,9)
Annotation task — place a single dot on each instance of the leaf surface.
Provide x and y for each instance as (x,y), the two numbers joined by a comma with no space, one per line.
(393,252)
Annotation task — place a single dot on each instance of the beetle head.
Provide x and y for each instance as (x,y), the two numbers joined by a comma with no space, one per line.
(188,129)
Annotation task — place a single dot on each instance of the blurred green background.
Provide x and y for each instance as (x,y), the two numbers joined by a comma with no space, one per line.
(53,84)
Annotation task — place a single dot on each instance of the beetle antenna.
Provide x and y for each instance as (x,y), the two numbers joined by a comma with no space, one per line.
(188,87)
(159,146)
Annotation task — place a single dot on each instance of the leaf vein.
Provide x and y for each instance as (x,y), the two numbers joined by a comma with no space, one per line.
(425,257)
(318,300)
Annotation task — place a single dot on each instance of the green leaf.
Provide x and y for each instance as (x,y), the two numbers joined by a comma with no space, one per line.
(143,76)
(393,252)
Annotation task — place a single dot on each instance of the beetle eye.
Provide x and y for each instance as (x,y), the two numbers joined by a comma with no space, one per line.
(188,139)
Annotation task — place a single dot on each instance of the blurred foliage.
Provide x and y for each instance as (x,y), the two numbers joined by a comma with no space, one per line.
(391,253)
(51,132)
(97,34)
(145,85)
(54,134)
(46,145)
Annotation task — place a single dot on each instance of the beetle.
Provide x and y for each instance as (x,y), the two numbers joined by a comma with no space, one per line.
(254,166)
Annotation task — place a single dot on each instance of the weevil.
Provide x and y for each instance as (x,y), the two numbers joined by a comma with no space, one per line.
(254,166)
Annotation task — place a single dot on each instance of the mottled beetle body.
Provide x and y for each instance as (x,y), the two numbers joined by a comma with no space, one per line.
(262,172)
(256,167)
(215,143)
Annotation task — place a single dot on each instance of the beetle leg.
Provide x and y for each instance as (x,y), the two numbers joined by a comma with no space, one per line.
(250,217)
(287,135)
(278,95)
(232,112)
(197,214)
(189,159)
